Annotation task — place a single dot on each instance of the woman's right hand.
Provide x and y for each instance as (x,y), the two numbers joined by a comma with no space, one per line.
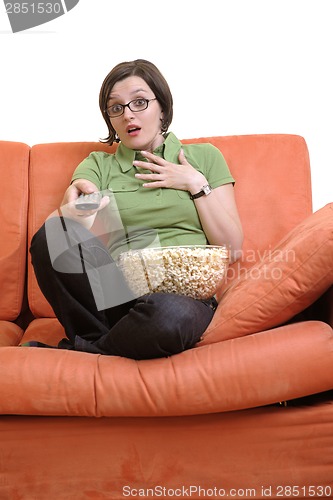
(72,193)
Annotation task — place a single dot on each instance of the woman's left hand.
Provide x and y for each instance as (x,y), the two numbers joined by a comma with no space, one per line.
(165,174)
(217,212)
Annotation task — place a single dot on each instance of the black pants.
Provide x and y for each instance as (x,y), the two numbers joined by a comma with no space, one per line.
(77,276)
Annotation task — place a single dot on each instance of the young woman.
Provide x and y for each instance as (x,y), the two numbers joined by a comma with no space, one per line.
(165,191)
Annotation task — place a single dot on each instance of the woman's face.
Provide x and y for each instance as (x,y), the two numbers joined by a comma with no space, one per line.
(137,130)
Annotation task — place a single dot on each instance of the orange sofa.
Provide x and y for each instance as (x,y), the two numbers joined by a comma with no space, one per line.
(247,413)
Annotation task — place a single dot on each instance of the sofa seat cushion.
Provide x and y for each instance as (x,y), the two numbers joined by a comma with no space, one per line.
(10,334)
(45,330)
(286,281)
(285,363)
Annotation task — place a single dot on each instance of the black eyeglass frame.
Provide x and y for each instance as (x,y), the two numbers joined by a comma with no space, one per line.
(128,105)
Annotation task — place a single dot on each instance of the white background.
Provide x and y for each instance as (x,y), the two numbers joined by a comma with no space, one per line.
(234,67)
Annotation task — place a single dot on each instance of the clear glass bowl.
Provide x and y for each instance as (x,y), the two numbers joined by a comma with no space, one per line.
(195,270)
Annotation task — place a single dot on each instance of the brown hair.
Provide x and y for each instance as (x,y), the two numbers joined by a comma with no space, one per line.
(154,79)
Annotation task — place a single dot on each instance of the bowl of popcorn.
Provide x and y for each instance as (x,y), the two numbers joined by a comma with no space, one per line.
(196,271)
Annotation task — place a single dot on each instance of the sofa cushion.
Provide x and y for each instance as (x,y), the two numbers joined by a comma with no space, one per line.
(51,165)
(10,334)
(14,166)
(273,185)
(45,330)
(286,281)
(281,364)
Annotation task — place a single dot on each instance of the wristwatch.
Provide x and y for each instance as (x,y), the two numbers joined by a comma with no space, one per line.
(205,190)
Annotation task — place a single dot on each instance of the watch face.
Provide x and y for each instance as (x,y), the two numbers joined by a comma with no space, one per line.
(207,189)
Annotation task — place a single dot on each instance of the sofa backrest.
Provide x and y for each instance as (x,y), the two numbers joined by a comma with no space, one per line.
(51,168)
(14,163)
(273,189)
(273,186)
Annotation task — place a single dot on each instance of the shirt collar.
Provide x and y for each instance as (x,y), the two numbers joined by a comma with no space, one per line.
(169,150)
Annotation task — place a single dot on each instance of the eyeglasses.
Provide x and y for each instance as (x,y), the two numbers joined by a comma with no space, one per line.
(136,105)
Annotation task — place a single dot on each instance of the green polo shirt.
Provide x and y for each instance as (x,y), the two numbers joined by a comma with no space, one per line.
(138,217)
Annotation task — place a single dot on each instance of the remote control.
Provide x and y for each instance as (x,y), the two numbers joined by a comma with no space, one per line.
(88,201)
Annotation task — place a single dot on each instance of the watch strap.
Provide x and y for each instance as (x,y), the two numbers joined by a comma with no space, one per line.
(197,195)
(204,191)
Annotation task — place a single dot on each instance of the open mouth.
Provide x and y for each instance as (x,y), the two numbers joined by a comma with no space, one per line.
(134,130)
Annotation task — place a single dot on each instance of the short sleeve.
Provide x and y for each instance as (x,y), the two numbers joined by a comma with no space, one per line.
(91,168)
(209,160)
